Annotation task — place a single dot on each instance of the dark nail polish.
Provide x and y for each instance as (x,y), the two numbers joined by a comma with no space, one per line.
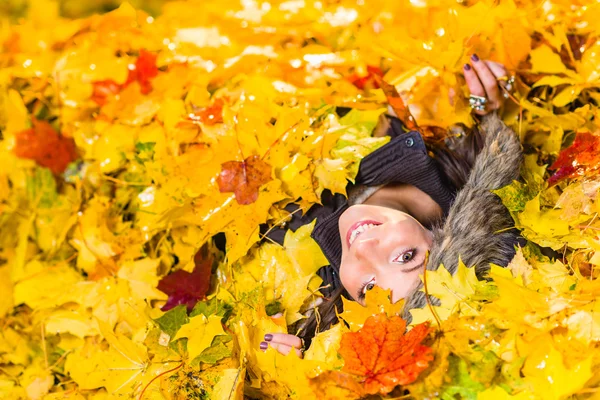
(268,337)
(264,345)
(467,67)
(474,57)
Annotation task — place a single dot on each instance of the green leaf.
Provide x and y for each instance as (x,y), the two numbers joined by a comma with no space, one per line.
(41,188)
(173,320)
(273,308)
(216,352)
(145,151)
(212,307)
(361,122)
(463,386)
(514,196)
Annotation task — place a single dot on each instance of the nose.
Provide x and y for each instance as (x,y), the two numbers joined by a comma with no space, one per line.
(366,249)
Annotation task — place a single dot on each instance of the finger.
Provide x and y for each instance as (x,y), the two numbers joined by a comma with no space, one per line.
(475,86)
(488,80)
(501,75)
(282,338)
(282,348)
(497,69)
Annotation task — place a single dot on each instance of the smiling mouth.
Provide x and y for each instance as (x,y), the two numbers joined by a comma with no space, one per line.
(358,228)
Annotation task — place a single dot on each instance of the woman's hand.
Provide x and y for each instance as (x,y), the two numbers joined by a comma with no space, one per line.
(283,343)
(484,79)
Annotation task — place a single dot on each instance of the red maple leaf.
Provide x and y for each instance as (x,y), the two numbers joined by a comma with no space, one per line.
(582,157)
(46,146)
(244,178)
(383,356)
(210,115)
(142,72)
(188,287)
(367,81)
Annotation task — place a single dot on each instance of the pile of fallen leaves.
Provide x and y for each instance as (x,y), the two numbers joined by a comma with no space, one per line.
(140,156)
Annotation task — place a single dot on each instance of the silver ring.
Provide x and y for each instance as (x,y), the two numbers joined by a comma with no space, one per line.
(508,86)
(477,103)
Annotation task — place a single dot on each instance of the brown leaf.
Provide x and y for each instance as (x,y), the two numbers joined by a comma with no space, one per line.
(397,104)
(46,146)
(244,178)
(383,356)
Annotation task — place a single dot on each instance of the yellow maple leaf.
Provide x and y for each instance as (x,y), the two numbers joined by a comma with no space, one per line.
(230,384)
(377,301)
(544,227)
(304,253)
(123,368)
(497,393)
(453,291)
(142,278)
(324,346)
(6,288)
(550,379)
(44,284)
(200,332)
(543,59)
(76,323)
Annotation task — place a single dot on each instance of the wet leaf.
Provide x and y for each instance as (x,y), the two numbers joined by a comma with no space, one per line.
(244,178)
(579,159)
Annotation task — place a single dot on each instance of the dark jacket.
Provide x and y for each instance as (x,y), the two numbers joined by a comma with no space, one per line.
(403,160)
(472,216)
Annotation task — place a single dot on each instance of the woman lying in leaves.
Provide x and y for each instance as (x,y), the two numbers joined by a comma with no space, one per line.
(407,202)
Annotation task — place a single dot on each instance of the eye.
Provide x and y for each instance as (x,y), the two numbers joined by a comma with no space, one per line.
(405,257)
(366,288)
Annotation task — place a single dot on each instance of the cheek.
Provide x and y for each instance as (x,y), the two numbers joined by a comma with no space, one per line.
(351,277)
(403,287)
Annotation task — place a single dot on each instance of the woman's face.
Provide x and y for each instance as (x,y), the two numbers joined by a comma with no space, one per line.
(381,246)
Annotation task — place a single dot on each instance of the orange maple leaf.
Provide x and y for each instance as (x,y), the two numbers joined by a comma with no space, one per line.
(383,356)
(244,178)
(46,146)
(579,159)
(397,104)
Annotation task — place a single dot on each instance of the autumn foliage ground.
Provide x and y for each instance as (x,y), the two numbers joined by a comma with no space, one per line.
(131,145)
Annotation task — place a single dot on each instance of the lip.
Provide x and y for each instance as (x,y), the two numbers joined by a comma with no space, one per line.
(357,225)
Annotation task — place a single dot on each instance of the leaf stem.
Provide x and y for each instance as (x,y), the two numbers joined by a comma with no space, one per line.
(156,377)
(437,318)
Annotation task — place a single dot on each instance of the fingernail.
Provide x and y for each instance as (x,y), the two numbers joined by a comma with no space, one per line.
(467,67)
(264,345)
(474,57)
(268,337)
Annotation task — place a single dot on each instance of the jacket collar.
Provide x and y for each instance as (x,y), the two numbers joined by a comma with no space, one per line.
(403,160)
